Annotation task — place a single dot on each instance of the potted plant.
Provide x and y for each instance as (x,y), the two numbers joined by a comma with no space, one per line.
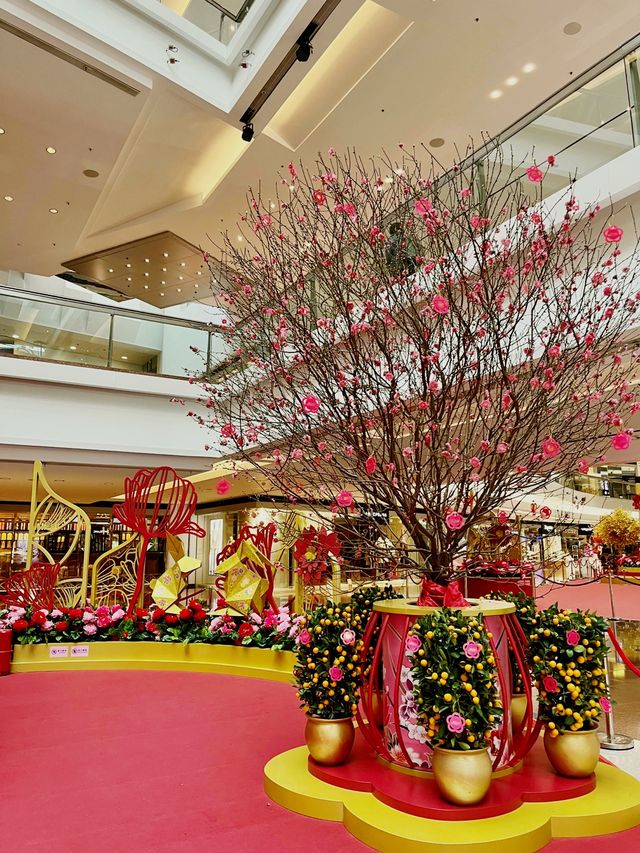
(567,651)
(455,689)
(328,674)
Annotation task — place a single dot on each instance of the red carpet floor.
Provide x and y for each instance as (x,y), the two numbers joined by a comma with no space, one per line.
(593,596)
(152,762)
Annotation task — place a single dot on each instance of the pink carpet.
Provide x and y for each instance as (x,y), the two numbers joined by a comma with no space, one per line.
(593,596)
(151,762)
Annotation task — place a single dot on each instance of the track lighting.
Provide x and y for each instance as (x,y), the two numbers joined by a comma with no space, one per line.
(247,132)
(304,51)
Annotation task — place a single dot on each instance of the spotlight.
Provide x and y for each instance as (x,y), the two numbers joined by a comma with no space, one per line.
(304,51)
(247,132)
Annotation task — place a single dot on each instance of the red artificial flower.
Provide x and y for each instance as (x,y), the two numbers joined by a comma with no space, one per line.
(613,234)
(245,630)
(534,174)
(223,487)
(370,465)
(62,626)
(171,619)
(572,637)
(621,441)
(344,498)
(20,625)
(319,197)
(194,604)
(310,404)
(199,615)
(311,552)
(142,612)
(550,684)
(76,613)
(185,614)
(152,628)
(38,618)
(158,614)
(545,512)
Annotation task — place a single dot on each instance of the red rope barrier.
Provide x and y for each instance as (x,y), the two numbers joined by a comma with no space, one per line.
(634,669)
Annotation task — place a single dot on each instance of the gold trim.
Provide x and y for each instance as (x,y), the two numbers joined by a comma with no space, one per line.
(486,606)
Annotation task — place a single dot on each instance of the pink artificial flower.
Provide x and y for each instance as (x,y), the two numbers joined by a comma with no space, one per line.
(550,684)
(583,466)
(304,637)
(572,637)
(613,234)
(472,650)
(423,207)
(412,643)
(87,616)
(370,465)
(503,517)
(90,629)
(310,404)
(223,487)
(551,160)
(621,441)
(100,611)
(104,621)
(605,704)
(550,448)
(475,462)
(454,520)
(545,512)
(335,673)
(117,614)
(455,723)
(502,447)
(348,637)
(553,351)
(344,498)
(440,305)
(534,174)
(319,197)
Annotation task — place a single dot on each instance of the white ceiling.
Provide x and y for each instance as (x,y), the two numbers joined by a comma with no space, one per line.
(403,70)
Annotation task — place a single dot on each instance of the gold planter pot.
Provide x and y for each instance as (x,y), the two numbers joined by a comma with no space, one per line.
(462,776)
(573,754)
(329,741)
(518,710)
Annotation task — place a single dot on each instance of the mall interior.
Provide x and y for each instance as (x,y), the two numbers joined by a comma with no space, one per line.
(164,586)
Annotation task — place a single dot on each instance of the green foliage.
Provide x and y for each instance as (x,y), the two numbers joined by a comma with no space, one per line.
(568,656)
(455,679)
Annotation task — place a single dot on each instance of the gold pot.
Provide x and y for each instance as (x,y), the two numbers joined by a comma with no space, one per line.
(518,710)
(329,741)
(573,754)
(462,776)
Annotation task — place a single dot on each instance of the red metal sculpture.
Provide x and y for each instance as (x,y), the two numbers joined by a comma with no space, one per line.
(33,587)
(156,503)
(262,537)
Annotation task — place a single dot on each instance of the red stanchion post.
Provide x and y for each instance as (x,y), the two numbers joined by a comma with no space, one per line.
(5,652)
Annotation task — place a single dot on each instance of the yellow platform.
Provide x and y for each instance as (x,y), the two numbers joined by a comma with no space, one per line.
(612,807)
(190,657)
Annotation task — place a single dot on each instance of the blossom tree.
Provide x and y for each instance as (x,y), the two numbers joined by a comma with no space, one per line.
(422,343)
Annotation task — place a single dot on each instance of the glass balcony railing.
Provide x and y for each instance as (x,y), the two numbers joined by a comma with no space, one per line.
(40,327)
(217,18)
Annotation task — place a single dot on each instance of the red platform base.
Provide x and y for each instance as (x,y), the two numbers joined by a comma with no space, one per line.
(535,782)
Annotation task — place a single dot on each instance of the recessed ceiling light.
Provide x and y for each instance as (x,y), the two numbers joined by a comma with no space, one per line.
(91,173)
(497,93)
(199,272)
(196,285)
(572,28)
(129,265)
(124,357)
(73,347)
(53,210)
(436,142)
(147,274)
(8,198)
(182,264)
(1,130)
(16,337)
(50,149)
(511,81)
(146,260)
(161,293)
(163,282)
(165,254)
(128,278)
(146,287)
(240,238)
(179,290)
(181,277)
(110,269)
(272,206)
(529,67)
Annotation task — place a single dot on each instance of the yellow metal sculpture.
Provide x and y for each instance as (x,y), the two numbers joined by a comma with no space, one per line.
(244,589)
(168,590)
(113,575)
(53,515)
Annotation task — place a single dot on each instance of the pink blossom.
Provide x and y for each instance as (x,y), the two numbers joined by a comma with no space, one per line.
(550,448)
(103,610)
(310,404)
(335,673)
(621,441)
(423,207)
(344,498)
(87,616)
(412,643)
(502,447)
(550,684)
(534,174)
(583,466)
(90,629)
(348,637)
(572,637)
(551,160)
(370,465)
(104,621)
(223,487)
(613,234)
(454,520)
(545,512)
(553,351)
(440,304)
(472,650)
(304,637)
(455,723)
(475,462)
(117,614)
(605,704)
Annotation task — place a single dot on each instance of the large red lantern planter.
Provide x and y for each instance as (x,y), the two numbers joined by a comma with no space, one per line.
(387,713)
